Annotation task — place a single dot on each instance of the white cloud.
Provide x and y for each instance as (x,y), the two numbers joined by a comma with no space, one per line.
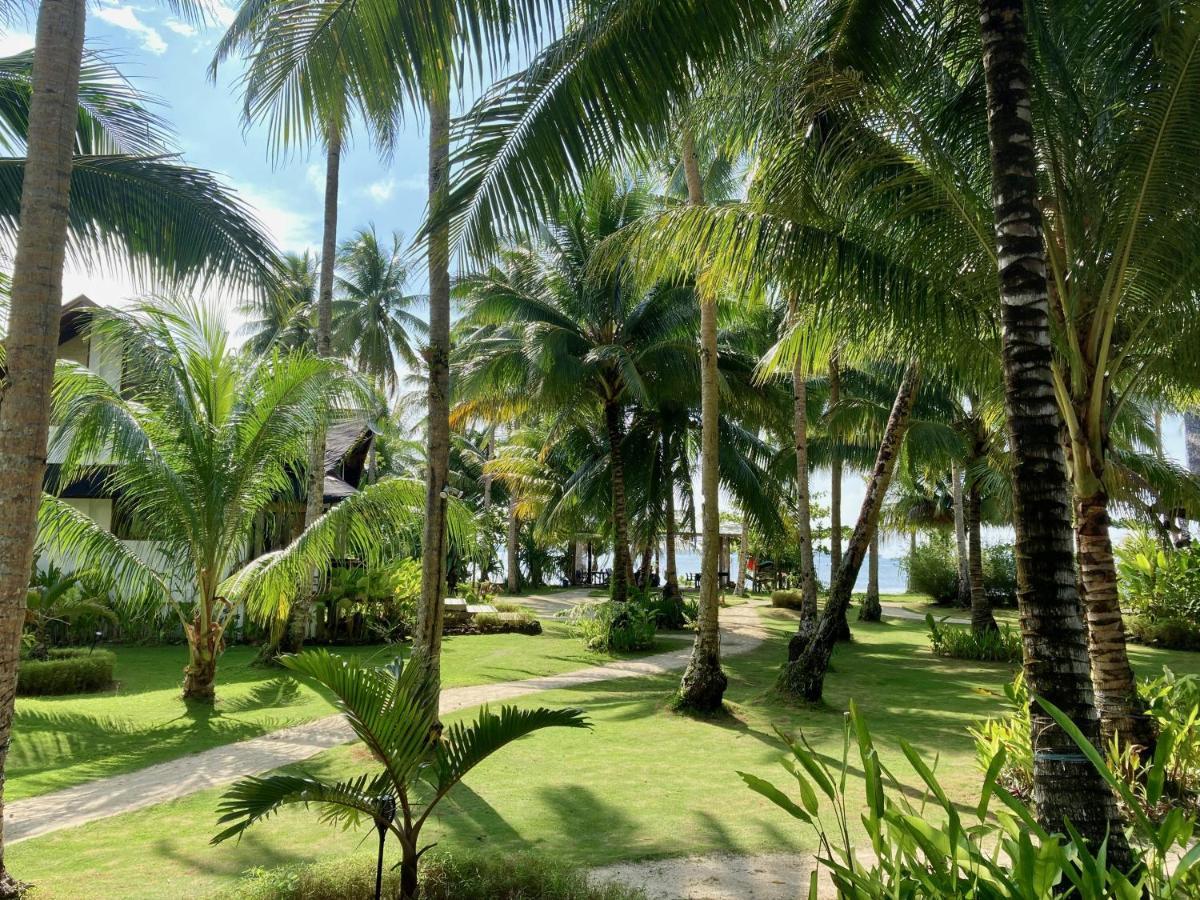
(182,28)
(126,18)
(315,176)
(15,42)
(292,229)
(222,14)
(382,190)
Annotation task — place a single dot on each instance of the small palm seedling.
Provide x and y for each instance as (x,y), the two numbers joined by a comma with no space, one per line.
(392,716)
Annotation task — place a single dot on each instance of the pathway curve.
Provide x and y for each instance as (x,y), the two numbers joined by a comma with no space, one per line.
(742,630)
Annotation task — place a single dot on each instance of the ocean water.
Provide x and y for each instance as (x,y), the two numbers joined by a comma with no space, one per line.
(891,575)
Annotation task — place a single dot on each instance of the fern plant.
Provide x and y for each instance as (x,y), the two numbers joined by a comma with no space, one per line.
(421,761)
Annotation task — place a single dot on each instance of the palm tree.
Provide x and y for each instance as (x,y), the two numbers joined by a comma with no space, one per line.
(573,340)
(374,324)
(204,440)
(283,318)
(421,762)
(92,183)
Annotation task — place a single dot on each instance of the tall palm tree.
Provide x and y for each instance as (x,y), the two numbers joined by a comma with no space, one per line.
(283,318)
(551,334)
(374,324)
(202,440)
(92,183)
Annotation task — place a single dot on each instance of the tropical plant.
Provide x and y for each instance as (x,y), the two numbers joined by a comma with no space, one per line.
(58,597)
(422,762)
(374,325)
(206,440)
(998,645)
(993,852)
(283,317)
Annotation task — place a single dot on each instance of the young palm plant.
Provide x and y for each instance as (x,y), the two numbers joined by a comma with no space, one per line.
(422,762)
(202,441)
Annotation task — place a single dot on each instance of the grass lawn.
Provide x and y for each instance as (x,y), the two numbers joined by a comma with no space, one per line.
(920,603)
(62,741)
(644,783)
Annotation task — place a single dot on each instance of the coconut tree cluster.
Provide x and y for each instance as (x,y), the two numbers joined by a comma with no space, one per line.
(685,260)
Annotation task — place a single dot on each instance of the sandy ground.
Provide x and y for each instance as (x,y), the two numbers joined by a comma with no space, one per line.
(776,876)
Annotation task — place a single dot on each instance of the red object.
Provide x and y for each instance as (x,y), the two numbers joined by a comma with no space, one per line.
(751,563)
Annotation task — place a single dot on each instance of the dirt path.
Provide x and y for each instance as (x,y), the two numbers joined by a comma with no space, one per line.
(719,876)
(742,630)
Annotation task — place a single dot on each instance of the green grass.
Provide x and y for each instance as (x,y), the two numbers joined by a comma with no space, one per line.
(62,741)
(645,782)
(920,603)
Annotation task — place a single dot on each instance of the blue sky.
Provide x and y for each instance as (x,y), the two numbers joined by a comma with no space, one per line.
(167,59)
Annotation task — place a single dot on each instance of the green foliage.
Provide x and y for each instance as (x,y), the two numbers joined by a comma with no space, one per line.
(66,671)
(958,642)
(932,570)
(1000,574)
(520,876)
(382,598)
(787,599)
(1174,704)
(57,600)
(610,627)
(421,762)
(670,613)
(1161,589)
(916,851)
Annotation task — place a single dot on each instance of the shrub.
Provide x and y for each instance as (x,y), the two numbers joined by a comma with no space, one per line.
(443,877)
(932,569)
(1174,703)
(960,642)
(68,670)
(1000,575)
(1158,584)
(669,612)
(973,851)
(1171,634)
(506,623)
(787,599)
(610,627)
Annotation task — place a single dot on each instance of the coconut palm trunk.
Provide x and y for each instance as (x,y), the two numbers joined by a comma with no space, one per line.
(982,620)
(671,571)
(36,296)
(804,677)
(514,546)
(835,487)
(743,543)
(960,534)
(808,573)
(314,504)
(1191,438)
(703,685)
(622,569)
(1121,712)
(427,633)
(872,610)
(1066,785)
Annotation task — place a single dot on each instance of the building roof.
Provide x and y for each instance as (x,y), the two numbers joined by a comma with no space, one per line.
(74,316)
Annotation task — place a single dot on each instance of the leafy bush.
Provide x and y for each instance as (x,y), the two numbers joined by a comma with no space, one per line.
(1174,703)
(610,627)
(787,599)
(1172,634)
(959,642)
(932,569)
(669,612)
(1157,584)
(443,877)
(918,852)
(1000,575)
(506,623)
(67,670)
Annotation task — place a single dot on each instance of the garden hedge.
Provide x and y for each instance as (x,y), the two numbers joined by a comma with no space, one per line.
(67,671)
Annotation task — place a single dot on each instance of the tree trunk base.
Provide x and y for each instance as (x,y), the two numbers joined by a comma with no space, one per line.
(703,686)
(10,888)
(801,639)
(199,682)
(802,679)
(871,609)
(842,628)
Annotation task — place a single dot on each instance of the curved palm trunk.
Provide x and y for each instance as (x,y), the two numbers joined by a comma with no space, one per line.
(804,677)
(1121,711)
(671,573)
(427,633)
(314,504)
(960,534)
(33,334)
(703,684)
(622,561)
(1066,786)
(808,573)
(982,620)
(872,610)
(514,546)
